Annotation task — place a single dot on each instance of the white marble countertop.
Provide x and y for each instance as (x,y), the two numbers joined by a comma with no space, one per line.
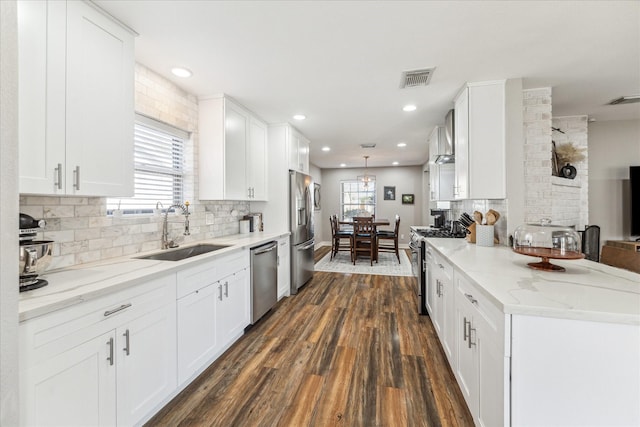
(587,290)
(73,285)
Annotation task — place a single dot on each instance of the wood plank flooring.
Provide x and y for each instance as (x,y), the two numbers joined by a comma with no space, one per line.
(347,350)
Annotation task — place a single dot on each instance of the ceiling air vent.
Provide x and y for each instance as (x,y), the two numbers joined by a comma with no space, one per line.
(625,100)
(415,78)
(367,145)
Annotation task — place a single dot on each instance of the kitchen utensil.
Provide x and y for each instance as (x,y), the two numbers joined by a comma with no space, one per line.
(477,216)
(491,218)
(496,214)
(466,220)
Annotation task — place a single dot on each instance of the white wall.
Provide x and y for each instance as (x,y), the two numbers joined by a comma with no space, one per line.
(407,180)
(613,147)
(8,215)
(319,225)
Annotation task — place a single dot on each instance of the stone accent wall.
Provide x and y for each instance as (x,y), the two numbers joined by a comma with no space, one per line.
(80,227)
(537,154)
(571,196)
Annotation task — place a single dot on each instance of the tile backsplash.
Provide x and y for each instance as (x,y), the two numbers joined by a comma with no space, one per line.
(469,206)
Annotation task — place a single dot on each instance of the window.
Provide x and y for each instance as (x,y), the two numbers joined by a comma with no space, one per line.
(158,162)
(356,199)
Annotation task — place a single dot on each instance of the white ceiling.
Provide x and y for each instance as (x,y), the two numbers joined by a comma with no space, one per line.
(339,62)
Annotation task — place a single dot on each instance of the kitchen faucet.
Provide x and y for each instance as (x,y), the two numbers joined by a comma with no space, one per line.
(166,243)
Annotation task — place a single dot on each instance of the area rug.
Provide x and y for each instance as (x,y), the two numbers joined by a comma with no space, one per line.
(387,264)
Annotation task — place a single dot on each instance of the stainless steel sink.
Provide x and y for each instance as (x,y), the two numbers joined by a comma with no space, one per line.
(183,253)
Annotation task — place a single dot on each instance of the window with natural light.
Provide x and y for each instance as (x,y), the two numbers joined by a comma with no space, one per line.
(357,199)
(159,168)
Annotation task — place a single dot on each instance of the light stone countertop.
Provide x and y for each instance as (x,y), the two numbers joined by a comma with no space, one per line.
(587,290)
(84,282)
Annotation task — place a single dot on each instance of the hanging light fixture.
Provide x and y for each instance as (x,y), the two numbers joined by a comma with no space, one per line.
(366,178)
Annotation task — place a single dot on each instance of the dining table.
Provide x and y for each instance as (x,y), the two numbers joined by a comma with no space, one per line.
(377,222)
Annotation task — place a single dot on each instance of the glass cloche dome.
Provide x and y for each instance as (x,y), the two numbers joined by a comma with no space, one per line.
(547,242)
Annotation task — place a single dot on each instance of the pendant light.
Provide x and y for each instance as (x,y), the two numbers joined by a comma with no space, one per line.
(366,178)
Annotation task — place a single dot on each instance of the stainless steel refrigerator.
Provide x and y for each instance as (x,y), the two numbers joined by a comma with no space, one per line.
(301,227)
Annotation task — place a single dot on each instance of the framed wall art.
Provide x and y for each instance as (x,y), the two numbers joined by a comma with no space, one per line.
(389,193)
(407,199)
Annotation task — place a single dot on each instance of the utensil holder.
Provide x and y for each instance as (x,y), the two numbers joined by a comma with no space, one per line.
(484,235)
(244,226)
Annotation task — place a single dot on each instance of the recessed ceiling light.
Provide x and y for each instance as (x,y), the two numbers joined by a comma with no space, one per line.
(395,163)
(181,72)
(299,117)
(326,148)
(343,165)
(409,108)
(402,144)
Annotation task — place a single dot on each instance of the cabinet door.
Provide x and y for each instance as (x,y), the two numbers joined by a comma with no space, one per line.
(284,273)
(446,181)
(257,160)
(41,91)
(303,154)
(146,354)
(74,388)
(197,342)
(100,111)
(461,117)
(434,182)
(466,366)
(294,138)
(491,374)
(235,152)
(232,309)
(449,320)
(430,283)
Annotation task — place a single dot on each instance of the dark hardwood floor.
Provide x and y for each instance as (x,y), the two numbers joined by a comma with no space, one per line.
(347,350)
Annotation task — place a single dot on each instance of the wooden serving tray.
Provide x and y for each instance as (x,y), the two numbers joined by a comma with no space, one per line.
(546,254)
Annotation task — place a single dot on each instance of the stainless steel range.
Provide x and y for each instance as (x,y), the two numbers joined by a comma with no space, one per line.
(418,254)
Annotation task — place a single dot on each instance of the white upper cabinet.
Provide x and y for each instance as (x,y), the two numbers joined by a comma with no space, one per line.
(487,118)
(233,152)
(76,100)
(298,152)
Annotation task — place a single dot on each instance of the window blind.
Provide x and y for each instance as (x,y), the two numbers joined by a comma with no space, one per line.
(159,168)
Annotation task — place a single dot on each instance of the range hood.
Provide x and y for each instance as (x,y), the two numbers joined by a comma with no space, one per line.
(447,153)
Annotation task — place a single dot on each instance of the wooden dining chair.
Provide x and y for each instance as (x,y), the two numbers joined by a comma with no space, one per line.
(363,238)
(337,238)
(387,240)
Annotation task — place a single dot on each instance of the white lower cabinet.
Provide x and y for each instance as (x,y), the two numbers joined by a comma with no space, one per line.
(213,310)
(441,300)
(481,366)
(284,271)
(108,361)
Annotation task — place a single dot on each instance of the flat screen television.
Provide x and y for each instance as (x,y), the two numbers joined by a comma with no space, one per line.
(634,178)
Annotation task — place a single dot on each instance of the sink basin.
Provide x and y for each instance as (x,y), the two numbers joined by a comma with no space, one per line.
(183,253)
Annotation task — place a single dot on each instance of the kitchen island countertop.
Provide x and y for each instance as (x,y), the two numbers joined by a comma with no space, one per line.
(83,282)
(587,290)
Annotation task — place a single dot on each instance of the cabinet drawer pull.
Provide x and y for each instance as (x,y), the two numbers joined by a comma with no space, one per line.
(76,178)
(115,310)
(471,298)
(441,266)
(226,289)
(471,344)
(126,342)
(464,329)
(57,181)
(110,357)
(220,295)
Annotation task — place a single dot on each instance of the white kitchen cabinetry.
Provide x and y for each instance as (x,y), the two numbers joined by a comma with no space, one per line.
(298,152)
(485,122)
(76,100)
(481,366)
(213,310)
(233,152)
(441,301)
(108,361)
(284,271)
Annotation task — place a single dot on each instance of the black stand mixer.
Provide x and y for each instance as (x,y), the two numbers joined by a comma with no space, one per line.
(35,255)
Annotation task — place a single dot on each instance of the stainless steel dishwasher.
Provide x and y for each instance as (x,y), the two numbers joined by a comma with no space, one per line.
(264,279)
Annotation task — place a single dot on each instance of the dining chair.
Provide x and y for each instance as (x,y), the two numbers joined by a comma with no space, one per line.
(363,238)
(337,238)
(387,240)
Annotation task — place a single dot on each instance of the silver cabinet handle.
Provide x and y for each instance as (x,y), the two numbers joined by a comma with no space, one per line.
(464,329)
(115,310)
(220,295)
(424,266)
(471,298)
(110,357)
(76,178)
(441,266)
(278,260)
(471,329)
(226,289)
(57,179)
(126,342)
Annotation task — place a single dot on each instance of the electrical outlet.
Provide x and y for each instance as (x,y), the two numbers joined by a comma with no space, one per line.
(208,218)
